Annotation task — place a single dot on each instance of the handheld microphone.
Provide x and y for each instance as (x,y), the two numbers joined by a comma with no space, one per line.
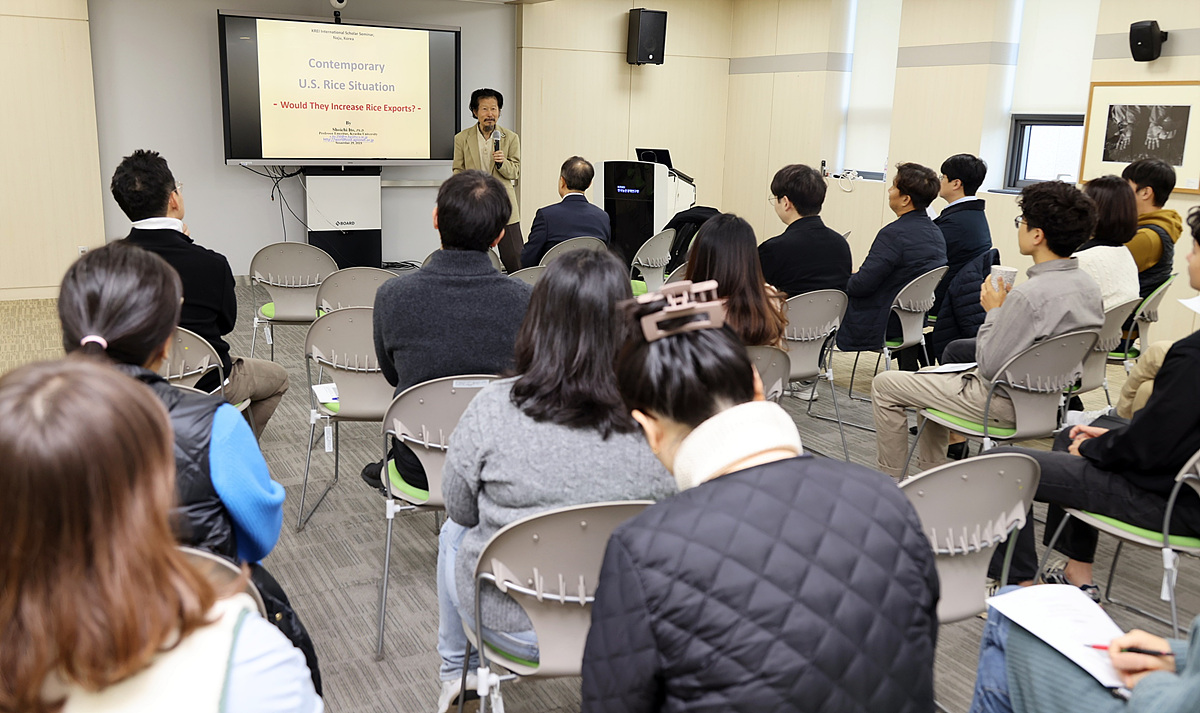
(496,141)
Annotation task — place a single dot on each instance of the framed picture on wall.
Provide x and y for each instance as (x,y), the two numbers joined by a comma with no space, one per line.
(1130,121)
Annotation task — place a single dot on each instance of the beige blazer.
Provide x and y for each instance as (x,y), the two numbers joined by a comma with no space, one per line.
(466,156)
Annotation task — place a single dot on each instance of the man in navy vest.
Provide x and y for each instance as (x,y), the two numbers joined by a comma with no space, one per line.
(963,223)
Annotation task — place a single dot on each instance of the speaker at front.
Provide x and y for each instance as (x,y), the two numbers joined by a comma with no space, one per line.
(1146,40)
(647,36)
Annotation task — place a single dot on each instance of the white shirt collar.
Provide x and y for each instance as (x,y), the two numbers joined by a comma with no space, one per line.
(160,223)
(574,193)
(964,199)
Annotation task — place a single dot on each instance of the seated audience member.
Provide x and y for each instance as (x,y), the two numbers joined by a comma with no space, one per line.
(807,256)
(1138,386)
(456,315)
(961,314)
(775,581)
(102,612)
(573,217)
(555,434)
(1105,257)
(122,303)
(724,250)
(1057,298)
(1159,228)
(1126,473)
(149,195)
(903,250)
(1020,673)
(962,222)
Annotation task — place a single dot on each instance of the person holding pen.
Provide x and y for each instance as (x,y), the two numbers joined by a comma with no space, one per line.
(1019,672)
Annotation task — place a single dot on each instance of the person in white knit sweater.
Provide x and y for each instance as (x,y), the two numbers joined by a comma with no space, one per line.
(1104,256)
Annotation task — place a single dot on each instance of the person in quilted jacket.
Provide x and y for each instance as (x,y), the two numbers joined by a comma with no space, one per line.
(773,581)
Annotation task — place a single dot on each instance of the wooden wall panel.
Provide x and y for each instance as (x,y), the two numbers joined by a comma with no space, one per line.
(748,170)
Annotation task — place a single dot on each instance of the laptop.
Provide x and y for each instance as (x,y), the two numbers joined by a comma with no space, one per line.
(662,156)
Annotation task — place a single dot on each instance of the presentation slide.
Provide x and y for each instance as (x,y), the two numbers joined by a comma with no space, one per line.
(343,91)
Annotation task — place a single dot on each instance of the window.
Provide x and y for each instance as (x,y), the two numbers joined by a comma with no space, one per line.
(1043,147)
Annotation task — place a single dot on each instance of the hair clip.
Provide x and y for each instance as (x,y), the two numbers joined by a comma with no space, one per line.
(683,299)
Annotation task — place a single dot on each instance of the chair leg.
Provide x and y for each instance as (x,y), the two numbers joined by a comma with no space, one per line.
(912,449)
(462,687)
(850,391)
(837,413)
(1107,397)
(1041,570)
(312,431)
(383,585)
(303,517)
(253,334)
(271,341)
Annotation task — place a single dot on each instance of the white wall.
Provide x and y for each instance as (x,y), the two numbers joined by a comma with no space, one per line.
(157,82)
(1054,63)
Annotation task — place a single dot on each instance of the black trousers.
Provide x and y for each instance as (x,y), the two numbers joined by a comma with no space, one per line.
(960,351)
(1075,482)
(510,247)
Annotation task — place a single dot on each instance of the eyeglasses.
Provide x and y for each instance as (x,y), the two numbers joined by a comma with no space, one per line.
(772,200)
(179,186)
(1018,220)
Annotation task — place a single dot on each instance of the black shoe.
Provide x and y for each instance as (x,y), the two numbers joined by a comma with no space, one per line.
(956,451)
(370,476)
(912,430)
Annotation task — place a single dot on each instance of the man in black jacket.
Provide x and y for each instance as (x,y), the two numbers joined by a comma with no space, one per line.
(807,256)
(963,223)
(573,217)
(1126,472)
(151,197)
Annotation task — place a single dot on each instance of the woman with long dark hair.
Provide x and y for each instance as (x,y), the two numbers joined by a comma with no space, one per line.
(725,250)
(1105,256)
(555,434)
(101,610)
(774,580)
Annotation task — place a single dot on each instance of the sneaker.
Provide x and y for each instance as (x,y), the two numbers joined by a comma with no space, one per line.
(451,689)
(805,390)
(991,587)
(956,451)
(371,473)
(1058,575)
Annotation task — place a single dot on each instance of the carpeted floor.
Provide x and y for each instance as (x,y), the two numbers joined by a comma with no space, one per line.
(332,568)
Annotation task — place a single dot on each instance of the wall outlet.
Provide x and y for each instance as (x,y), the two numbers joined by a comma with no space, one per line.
(82,249)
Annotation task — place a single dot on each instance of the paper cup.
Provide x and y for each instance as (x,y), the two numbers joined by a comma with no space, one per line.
(1001,273)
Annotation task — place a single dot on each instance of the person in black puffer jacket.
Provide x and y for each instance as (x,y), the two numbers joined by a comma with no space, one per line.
(961,314)
(774,581)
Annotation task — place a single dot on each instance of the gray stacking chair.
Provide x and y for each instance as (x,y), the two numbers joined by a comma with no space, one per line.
(566,246)
(813,321)
(1095,364)
(422,417)
(679,274)
(911,306)
(1170,545)
(191,357)
(549,564)
(291,274)
(967,509)
(1034,380)
(351,287)
(342,345)
(773,368)
(1145,314)
(651,259)
(221,573)
(529,275)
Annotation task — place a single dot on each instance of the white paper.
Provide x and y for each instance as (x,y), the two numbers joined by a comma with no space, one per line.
(1068,620)
(325,393)
(948,368)
(1192,303)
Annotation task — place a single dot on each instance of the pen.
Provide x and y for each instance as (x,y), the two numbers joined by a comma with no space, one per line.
(1133,650)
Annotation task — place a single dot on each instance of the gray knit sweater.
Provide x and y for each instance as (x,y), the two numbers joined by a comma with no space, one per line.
(503,466)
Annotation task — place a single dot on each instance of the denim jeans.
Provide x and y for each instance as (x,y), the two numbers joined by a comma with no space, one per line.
(991,677)
(452,614)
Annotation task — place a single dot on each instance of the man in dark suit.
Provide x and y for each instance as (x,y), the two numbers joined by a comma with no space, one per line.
(573,217)
(807,256)
(149,195)
(963,222)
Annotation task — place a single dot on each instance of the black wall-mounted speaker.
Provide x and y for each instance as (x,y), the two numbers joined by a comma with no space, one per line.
(1146,40)
(647,36)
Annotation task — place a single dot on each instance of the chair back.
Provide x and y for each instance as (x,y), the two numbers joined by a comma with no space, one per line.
(549,564)
(351,287)
(812,318)
(1147,312)
(773,367)
(913,303)
(342,343)
(567,246)
(189,358)
(423,416)
(291,274)
(221,573)
(529,275)
(1096,361)
(1034,380)
(651,259)
(678,275)
(967,509)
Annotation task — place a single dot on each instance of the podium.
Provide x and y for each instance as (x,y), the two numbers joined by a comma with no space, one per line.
(640,198)
(344,214)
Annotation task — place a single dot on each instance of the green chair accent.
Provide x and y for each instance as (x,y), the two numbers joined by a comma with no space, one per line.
(399,483)
(1176,540)
(509,657)
(638,287)
(268,310)
(331,406)
(993,430)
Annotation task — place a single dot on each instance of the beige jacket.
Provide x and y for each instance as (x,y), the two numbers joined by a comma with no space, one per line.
(466,156)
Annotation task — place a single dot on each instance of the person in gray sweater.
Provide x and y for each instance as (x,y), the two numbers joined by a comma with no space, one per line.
(556,434)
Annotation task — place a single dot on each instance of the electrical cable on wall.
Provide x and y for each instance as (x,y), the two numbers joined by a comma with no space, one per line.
(277,174)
